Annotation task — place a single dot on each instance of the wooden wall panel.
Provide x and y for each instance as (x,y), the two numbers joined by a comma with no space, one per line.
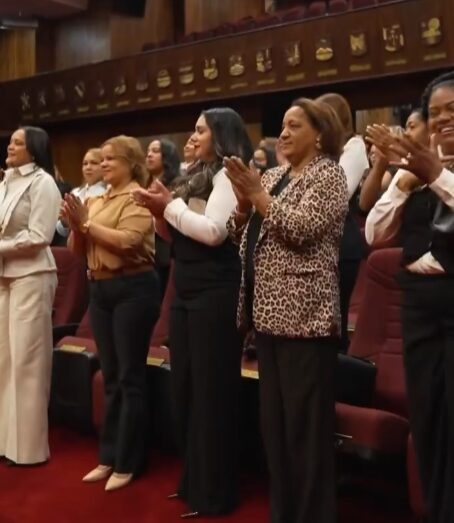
(85,38)
(45,47)
(202,14)
(129,34)
(17,49)
(380,115)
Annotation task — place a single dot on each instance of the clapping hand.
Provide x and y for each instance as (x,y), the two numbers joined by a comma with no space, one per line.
(421,160)
(74,212)
(246,181)
(155,198)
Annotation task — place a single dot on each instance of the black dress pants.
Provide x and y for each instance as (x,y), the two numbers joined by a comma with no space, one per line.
(205,349)
(297,418)
(123,312)
(428,337)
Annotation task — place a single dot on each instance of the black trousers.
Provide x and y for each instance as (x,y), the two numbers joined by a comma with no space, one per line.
(123,312)
(297,419)
(428,337)
(348,273)
(205,349)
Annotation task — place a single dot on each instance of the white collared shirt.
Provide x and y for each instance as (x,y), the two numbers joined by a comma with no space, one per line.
(354,161)
(384,220)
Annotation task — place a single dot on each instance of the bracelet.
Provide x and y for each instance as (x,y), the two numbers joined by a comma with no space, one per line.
(84,227)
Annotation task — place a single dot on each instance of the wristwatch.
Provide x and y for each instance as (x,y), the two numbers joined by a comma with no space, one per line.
(85,226)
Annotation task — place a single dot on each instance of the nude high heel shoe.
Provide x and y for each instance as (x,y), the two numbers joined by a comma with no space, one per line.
(97,474)
(118,480)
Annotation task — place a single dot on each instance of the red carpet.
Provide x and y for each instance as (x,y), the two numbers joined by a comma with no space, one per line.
(54,493)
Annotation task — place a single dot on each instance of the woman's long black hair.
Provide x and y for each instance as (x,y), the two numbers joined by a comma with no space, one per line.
(37,143)
(230,138)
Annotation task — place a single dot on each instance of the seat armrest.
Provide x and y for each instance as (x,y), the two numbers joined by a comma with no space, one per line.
(60,331)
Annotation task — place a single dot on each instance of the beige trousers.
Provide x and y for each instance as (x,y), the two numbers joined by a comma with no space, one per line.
(25,365)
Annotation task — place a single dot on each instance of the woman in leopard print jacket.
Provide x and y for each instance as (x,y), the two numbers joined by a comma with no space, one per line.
(289,225)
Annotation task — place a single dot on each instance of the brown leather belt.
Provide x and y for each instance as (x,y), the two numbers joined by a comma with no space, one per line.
(124,271)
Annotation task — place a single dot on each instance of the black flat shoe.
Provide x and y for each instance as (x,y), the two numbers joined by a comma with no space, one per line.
(190,515)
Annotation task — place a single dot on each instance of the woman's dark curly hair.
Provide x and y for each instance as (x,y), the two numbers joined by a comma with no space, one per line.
(446,79)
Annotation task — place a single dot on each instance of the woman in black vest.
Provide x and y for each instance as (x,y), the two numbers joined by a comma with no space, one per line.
(419,206)
(205,346)
(163,163)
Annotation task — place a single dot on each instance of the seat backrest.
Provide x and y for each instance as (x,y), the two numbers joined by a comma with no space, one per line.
(378,334)
(357,296)
(71,296)
(161,330)
(84,329)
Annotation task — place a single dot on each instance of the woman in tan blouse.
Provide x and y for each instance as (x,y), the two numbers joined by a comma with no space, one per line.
(117,237)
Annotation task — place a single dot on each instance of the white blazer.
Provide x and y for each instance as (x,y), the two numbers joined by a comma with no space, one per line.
(29,208)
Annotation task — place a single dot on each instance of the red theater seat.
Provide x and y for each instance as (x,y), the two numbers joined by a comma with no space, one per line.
(294,14)
(337,6)
(360,4)
(381,427)
(268,20)
(415,493)
(74,363)
(317,8)
(357,296)
(161,330)
(246,24)
(71,296)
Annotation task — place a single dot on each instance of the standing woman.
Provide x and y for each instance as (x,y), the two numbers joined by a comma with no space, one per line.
(418,208)
(354,162)
(93,184)
(118,239)
(290,224)
(29,207)
(205,346)
(163,163)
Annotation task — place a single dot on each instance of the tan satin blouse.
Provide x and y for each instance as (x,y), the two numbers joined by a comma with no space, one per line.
(136,245)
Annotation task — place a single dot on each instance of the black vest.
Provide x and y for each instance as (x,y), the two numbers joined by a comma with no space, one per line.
(417,235)
(199,267)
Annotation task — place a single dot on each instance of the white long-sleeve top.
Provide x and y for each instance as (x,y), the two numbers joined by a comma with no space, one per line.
(210,227)
(354,161)
(384,220)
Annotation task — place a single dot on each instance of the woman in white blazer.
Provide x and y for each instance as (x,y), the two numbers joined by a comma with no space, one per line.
(29,208)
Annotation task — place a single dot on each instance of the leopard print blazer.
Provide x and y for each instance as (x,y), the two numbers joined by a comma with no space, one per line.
(296,291)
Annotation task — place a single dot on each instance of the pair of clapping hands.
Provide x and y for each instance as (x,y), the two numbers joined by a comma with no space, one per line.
(155,198)
(246,180)
(73,212)
(422,163)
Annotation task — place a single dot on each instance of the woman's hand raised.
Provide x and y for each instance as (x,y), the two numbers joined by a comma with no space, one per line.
(74,212)
(155,198)
(246,180)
